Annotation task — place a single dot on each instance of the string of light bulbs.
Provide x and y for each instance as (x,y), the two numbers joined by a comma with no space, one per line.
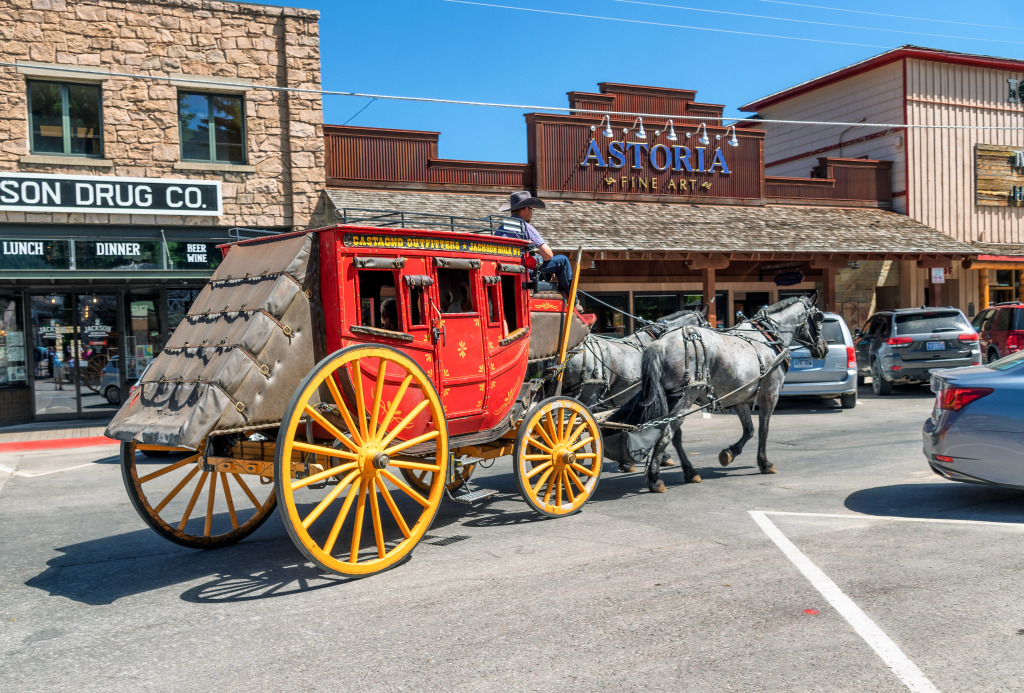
(205,81)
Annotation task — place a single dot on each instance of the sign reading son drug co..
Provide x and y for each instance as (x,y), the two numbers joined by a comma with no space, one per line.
(43,192)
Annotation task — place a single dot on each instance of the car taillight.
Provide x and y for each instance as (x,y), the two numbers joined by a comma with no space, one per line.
(972,337)
(851,358)
(899,341)
(956,398)
(1012,342)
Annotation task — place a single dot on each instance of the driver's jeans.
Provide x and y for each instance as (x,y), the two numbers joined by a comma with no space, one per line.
(560,267)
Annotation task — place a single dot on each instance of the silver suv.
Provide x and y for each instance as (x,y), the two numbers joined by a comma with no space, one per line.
(905,345)
(833,376)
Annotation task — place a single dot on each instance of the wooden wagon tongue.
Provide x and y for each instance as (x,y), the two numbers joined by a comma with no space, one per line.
(233,362)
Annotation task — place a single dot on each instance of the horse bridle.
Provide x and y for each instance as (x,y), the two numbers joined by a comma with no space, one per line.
(770,329)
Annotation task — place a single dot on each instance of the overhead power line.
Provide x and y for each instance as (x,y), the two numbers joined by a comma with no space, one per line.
(893,16)
(809,21)
(670,26)
(520,107)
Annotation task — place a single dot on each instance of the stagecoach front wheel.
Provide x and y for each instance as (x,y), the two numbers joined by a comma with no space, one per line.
(360,420)
(558,456)
(189,504)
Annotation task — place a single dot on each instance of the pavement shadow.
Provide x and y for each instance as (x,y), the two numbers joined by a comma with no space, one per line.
(941,501)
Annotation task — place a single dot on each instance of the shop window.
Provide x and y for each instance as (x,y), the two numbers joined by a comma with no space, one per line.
(212,127)
(653,306)
(378,300)
(510,293)
(610,310)
(455,290)
(65,119)
(13,359)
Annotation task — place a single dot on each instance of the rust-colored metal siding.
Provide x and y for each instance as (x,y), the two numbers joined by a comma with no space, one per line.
(377,158)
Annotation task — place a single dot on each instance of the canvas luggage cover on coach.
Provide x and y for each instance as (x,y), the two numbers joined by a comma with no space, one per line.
(234,362)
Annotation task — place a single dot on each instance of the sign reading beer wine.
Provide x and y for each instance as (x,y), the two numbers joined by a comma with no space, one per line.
(570,157)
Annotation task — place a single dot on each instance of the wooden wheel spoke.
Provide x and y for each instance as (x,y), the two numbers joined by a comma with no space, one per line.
(357,385)
(583,470)
(342,514)
(357,530)
(430,435)
(561,486)
(569,423)
(394,508)
(586,456)
(405,422)
(404,488)
(323,450)
(550,489)
(541,427)
(343,408)
(320,476)
(575,480)
(409,464)
(174,491)
(577,446)
(576,434)
(245,488)
(328,499)
(209,504)
(228,500)
(169,468)
(378,529)
(538,469)
(537,444)
(331,428)
(192,501)
(378,388)
(544,477)
(396,403)
(536,458)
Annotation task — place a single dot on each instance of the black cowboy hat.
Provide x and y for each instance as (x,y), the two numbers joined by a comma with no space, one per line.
(520,200)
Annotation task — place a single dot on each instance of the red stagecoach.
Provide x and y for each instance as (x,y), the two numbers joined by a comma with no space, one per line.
(354,375)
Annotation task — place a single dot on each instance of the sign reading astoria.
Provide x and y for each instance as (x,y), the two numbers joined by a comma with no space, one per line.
(687,161)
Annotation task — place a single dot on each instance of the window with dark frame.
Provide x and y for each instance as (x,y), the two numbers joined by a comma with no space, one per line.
(65,119)
(378,300)
(212,127)
(509,292)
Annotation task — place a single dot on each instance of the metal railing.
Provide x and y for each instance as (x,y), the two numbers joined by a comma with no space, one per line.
(390,218)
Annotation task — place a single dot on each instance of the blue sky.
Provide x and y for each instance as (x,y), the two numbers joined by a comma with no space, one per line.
(449,50)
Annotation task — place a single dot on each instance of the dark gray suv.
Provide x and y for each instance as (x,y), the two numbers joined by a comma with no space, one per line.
(906,344)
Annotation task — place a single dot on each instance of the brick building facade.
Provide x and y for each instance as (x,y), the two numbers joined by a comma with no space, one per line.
(135,136)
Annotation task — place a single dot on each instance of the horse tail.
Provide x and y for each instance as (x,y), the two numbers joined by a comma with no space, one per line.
(653,402)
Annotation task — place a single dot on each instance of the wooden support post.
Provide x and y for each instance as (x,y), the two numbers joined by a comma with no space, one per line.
(708,288)
(829,285)
(983,295)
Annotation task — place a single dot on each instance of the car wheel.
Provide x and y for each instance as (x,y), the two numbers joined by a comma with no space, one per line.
(848,400)
(113,395)
(879,385)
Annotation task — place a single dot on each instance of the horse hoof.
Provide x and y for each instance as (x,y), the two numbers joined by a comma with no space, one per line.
(696,479)
(668,462)
(769,470)
(724,458)
(627,468)
(659,487)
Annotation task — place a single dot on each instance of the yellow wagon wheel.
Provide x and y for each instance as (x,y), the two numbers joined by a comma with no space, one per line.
(191,506)
(372,411)
(420,479)
(558,456)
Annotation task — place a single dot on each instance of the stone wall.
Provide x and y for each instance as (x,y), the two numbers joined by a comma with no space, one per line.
(253,45)
(856,289)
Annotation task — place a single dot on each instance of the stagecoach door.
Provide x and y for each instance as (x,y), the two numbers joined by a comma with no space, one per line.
(462,368)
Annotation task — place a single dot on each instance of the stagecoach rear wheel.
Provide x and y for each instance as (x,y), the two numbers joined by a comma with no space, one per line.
(421,480)
(189,505)
(558,456)
(360,419)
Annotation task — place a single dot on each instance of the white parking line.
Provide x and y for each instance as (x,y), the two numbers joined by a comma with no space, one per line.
(894,658)
(14,472)
(986,523)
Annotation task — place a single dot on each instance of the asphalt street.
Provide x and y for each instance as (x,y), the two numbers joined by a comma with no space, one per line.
(741,583)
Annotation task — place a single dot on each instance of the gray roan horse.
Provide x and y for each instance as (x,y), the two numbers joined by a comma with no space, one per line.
(607,371)
(730,369)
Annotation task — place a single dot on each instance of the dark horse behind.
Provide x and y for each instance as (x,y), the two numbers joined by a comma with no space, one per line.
(737,368)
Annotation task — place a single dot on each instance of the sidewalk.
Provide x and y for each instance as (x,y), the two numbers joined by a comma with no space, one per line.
(52,435)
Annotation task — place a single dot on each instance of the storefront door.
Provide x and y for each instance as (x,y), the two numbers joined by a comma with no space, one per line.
(74,338)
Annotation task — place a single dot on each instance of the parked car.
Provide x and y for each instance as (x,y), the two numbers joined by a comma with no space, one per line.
(830,377)
(110,381)
(906,344)
(1000,329)
(974,432)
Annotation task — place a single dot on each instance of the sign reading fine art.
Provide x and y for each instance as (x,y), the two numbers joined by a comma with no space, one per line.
(42,192)
(999,176)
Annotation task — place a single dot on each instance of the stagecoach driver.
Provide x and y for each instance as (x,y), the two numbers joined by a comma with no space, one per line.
(521,205)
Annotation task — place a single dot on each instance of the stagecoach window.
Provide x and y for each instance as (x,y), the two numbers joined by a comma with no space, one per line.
(456,290)
(493,304)
(509,291)
(417,310)
(378,300)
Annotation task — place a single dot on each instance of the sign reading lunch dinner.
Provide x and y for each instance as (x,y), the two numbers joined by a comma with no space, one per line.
(43,192)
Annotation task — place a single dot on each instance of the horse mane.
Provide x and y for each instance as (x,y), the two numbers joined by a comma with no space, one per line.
(781,305)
